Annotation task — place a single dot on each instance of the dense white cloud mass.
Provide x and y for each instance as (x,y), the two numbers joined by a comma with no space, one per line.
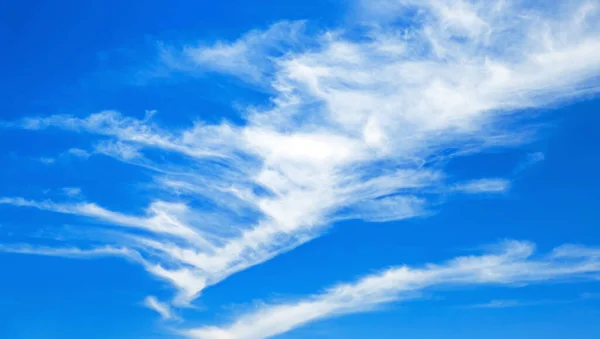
(512,263)
(357,127)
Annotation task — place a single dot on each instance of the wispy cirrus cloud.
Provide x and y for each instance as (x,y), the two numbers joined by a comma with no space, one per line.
(161,308)
(78,152)
(248,57)
(508,303)
(72,191)
(513,264)
(530,160)
(47,161)
(356,127)
(73,252)
(502,304)
(483,186)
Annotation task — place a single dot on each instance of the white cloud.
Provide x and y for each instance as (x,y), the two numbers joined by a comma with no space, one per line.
(161,308)
(507,303)
(246,57)
(501,304)
(525,303)
(72,191)
(535,157)
(514,264)
(357,127)
(121,150)
(161,217)
(532,159)
(47,160)
(71,252)
(78,152)
(483,186)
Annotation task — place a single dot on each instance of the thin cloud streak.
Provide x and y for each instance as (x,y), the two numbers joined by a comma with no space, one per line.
(106,251)
(499,304)
(513,264)
(161,308)
(531,160)
(483,186)
(504,304)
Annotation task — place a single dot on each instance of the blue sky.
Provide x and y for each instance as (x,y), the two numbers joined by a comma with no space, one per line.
(299,169)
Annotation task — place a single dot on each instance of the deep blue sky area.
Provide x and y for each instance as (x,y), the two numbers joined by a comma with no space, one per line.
(111,45)
(84,57)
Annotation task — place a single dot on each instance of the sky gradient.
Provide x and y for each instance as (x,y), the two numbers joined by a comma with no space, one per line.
(300,169)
